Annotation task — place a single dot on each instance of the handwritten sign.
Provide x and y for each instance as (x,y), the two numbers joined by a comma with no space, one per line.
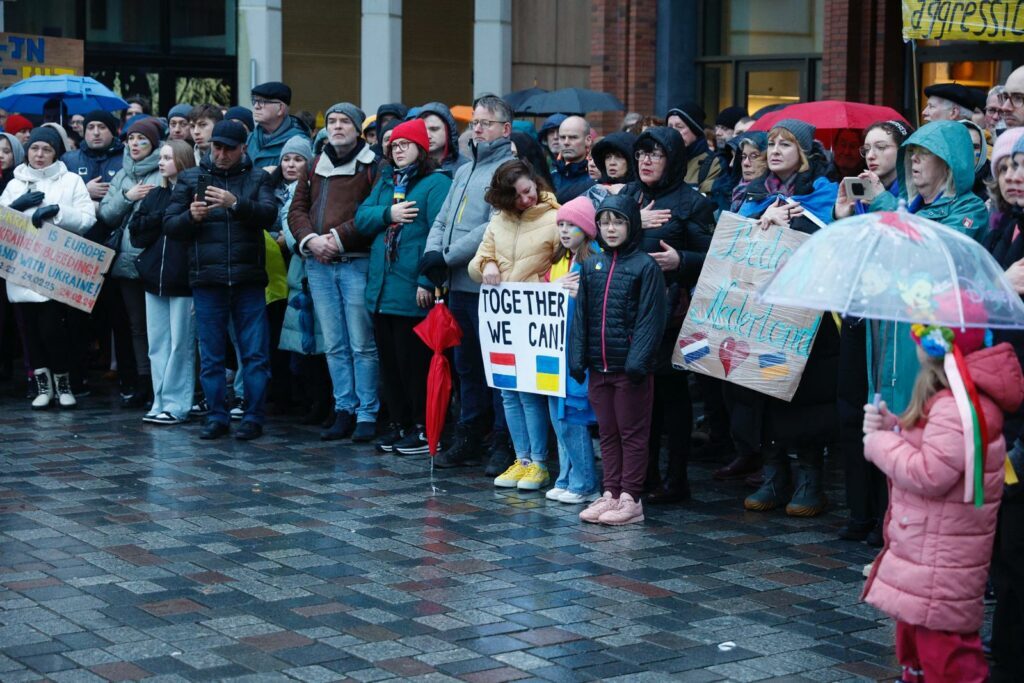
(53,262)
(727,333)
(22,56)
(522,337)
(989,20)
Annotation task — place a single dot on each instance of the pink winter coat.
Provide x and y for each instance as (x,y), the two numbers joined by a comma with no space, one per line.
(933,567)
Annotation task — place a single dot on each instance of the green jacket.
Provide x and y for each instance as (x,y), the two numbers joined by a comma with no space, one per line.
(391,287)
(961,210)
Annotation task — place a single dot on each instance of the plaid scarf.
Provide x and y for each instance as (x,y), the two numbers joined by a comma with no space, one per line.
(393,235)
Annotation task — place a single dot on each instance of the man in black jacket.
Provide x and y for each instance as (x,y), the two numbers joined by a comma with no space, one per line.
(227,270)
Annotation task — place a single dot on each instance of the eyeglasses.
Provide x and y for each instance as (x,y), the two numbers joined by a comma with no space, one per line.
(649,156)
(993,111)
(878,149)
(259,102)
(483,123)
(750,157)
(1016,98)
(401,145)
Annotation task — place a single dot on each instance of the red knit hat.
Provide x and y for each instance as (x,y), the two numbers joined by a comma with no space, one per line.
(413,131)
(17,123)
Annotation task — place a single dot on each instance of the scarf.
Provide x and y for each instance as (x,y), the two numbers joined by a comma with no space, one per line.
(332,154)
(773,184)
(393,234)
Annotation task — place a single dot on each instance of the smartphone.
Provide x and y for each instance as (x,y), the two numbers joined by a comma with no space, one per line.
(201,184)
(856,188)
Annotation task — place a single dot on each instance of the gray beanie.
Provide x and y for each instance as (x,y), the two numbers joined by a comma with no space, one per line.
(298,144)
(17,148)
(179,110)
(350,110)
(801,130)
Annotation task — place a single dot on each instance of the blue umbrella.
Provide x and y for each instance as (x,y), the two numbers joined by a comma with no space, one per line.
(80,95)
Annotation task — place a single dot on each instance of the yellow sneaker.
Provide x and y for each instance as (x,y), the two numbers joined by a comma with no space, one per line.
(510,477)
(536,477)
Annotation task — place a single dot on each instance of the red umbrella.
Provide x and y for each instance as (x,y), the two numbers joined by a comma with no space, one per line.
(439,331)
(830,115)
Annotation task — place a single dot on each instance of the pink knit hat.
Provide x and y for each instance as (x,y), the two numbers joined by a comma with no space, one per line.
(1004,145)
(580,212)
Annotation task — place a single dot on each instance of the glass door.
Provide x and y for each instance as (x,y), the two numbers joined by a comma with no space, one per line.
(770,83)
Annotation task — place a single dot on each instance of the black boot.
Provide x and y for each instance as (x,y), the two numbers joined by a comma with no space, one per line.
(501,455)
(464,450)
(676,487)
(341,428)
(142,395)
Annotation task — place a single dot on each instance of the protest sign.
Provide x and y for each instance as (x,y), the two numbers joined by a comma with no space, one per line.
(727,333)
(56,263)
(523,336)
(991,20)
(23,56)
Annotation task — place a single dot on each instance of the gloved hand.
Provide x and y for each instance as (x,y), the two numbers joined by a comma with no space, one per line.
(636,378)
(44,213)
(431,260)
(580,376)
(28,200)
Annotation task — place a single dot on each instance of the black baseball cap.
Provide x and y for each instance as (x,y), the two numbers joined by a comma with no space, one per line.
(229,133)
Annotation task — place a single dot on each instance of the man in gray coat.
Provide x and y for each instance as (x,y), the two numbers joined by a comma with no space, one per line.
(452,243)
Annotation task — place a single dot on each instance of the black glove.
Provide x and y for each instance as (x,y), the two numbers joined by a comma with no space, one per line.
(579,376)
(636,378)
(44,213)
(431,260)
(28,200)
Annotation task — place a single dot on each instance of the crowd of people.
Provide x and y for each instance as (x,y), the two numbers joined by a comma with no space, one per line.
(294,265)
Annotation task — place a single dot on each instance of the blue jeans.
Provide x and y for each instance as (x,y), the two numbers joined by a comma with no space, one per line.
(246,307)
(527,418)
(576,471)
(171,330)
(475,395)
(339,293)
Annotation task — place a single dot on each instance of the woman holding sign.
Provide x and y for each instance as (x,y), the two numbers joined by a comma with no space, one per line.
(794,193)
(44,189)
(518,246)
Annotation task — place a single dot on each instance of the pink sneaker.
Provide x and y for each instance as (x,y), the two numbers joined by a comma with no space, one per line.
(599,506)
(627,511)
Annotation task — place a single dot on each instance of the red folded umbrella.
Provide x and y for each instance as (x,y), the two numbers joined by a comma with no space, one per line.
(440,332)
(830,115)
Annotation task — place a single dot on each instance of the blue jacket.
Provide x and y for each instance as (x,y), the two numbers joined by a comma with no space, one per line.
(264,149)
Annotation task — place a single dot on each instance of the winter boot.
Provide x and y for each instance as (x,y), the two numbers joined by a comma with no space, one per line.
(44,389)
(775,489)
(501,455)
(65,397)
(464,450)
(808,496)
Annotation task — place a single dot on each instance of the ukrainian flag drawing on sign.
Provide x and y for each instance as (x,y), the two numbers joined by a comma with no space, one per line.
(547,373)
(773,365)
(503,370)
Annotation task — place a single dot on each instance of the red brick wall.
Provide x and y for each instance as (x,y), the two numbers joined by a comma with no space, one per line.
(863,58)
(622,47)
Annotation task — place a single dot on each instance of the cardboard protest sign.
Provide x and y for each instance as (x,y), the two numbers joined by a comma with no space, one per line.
(56,263)
(957,20)
(730,335)
(523,336)
(23,56)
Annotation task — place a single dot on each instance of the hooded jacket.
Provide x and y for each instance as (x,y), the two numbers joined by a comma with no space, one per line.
(162,263)
(933,567)
(459,227)
(452,159)
(227,249)
(621,143)
(521,245)
(963,211)
(264,149)
(116,209)
(620,308)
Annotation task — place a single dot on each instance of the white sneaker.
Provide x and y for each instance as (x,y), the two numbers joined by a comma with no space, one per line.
(575,498)
(44,389)
(555,493)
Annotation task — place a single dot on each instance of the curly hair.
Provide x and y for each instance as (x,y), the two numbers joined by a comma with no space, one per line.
(502,192)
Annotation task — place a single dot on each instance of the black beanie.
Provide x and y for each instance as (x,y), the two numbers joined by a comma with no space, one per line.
(48,135)
(730,116)
(104,117)
(692,115)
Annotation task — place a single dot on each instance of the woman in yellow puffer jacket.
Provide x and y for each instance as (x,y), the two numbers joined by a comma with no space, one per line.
(518,246)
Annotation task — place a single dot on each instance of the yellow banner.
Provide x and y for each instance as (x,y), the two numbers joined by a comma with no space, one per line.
(988,20)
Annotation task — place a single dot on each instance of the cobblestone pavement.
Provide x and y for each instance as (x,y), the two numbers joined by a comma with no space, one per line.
(139,552)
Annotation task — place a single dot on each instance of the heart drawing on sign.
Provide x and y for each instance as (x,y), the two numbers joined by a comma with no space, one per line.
(732,353)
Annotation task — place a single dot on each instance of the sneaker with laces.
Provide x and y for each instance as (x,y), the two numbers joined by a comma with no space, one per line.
(628,511)
(414,443)
(166,418)
(571,498)
(509,479)
(554,493)
(238,409)
(536,477)
(200,409)
(598,507)
(392,435)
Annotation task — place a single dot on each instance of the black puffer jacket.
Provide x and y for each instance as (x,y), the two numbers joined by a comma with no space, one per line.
(163,263)
(620,308)
(227,248)
(620,143)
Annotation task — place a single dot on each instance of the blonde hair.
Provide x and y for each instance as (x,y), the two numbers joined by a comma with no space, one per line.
(183,155)
(805,163)
(931,379)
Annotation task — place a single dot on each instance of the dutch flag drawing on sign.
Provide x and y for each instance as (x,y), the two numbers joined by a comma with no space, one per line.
(694,347)
(503,370)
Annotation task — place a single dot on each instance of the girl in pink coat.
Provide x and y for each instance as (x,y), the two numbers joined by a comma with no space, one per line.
(945,484)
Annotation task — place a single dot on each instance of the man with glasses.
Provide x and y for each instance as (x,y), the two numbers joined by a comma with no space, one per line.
(994,122)
(452,243)
(1012,99)
(274,126)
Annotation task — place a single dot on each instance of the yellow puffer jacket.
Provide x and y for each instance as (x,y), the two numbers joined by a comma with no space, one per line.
(522,246)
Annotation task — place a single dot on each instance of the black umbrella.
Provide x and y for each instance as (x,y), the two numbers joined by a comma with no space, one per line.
(768,110)
(518,98)
(571,101)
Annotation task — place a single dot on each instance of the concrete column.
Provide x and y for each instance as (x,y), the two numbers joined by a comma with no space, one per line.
(492,47)
(259,45)
(381,55)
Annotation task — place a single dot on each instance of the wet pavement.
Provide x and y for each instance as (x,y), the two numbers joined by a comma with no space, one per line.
(138,552)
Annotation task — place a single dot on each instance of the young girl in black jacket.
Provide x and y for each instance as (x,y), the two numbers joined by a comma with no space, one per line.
(620,317)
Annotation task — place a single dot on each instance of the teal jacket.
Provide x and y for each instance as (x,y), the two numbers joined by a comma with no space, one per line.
(391,287)
(264,149)
(956,208)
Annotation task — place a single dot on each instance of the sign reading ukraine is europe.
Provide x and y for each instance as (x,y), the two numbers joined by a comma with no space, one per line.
(523,336)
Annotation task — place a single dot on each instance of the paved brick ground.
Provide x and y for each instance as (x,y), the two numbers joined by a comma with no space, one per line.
(132,552)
